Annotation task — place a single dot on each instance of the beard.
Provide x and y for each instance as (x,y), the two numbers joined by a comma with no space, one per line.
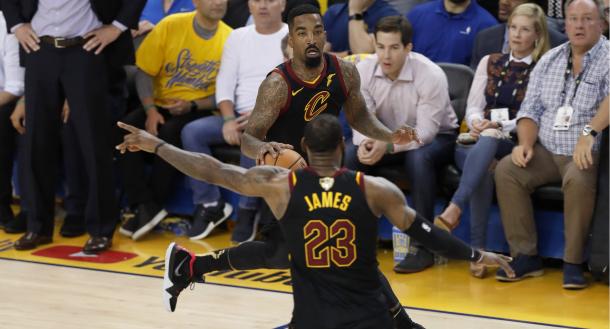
(313,61)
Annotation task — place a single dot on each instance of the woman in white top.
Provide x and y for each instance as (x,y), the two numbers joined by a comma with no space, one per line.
(495,97)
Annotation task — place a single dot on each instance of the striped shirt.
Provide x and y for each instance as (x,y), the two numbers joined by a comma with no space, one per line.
(544,95)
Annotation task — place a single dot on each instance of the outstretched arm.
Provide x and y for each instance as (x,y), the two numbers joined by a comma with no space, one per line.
(364,121)
(258,181)
(385,198)
(271,97)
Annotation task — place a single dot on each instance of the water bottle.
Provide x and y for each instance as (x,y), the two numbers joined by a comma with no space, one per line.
(400,243)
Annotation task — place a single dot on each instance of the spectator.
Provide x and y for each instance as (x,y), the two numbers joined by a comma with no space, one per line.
(176,81)
(558,121)
(495,97)
(495,39)
(349,25)
(404,6)
(60,38)
(155,10)
(11,88)
(249,54)
(404,87)
(444,30)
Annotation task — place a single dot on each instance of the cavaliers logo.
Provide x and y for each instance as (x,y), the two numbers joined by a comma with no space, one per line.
(316,105)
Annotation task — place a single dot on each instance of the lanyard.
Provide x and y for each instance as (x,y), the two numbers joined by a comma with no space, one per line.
(566,76)
(500,81)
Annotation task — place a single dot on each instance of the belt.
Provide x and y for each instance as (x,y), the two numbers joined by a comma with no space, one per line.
(63,42)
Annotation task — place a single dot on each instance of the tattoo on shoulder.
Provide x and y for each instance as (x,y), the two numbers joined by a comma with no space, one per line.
(350,75)
(272,95)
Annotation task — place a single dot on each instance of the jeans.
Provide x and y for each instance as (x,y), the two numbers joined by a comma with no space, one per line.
(421,166)
(199,136)
(477,183)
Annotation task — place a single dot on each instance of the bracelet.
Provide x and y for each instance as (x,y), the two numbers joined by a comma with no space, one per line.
(158,146)
(21,100)
(148,107)
(389,148)
(229,118)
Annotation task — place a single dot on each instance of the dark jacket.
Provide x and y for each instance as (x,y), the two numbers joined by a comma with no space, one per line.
(490,41)
(126,12)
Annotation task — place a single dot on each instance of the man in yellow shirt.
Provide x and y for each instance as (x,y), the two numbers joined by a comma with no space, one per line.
(176,83)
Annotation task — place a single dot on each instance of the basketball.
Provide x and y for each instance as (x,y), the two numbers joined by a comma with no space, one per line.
(288,159)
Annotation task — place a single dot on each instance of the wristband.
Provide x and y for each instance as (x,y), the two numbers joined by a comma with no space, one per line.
(148,107)
(389,148)
(159,146)
(229,118)
(21,100)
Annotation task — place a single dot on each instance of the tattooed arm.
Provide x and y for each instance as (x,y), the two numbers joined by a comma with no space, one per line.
(271,97)
(261,181)
(361,119)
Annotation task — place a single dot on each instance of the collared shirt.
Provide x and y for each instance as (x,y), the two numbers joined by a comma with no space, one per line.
(543,97)
(64,18)
(445,37)
(476,103)
(11,73)
(419,97)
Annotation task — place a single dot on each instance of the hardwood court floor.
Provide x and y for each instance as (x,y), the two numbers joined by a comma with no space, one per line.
(122,289)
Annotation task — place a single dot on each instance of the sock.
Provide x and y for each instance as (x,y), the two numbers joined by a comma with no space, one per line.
(214,261)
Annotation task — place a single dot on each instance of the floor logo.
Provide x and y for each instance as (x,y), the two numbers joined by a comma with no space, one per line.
(76,253)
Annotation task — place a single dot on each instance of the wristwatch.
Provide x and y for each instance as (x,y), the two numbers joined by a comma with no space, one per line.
(194,106)
(588,130)
(356,17)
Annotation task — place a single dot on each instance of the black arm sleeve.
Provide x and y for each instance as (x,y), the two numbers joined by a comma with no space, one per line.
(440,241)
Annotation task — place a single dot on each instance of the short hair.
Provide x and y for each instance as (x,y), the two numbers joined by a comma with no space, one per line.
(533,11)
(292,4)
(598,4)
(396,24)
(323,133)
(301,10)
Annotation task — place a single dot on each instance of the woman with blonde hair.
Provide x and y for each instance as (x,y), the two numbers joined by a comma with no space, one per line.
(495,97)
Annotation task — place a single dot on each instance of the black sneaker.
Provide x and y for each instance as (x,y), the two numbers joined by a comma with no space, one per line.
(148,215)
(6,215)
(245,226)
(18,225)
(129,226)
(417,260)
(205,219)
(178,274)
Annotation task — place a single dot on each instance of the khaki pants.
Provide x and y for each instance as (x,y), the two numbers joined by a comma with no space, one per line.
(514,186)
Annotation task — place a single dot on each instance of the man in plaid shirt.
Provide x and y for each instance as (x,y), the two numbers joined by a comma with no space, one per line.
(557,128)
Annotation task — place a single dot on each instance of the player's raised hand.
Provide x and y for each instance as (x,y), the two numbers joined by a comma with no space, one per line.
(492,259)
(137,140)
(273,148)
(405,135)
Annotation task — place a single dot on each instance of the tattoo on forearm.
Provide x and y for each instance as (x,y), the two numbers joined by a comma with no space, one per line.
(271,98)
(355,107)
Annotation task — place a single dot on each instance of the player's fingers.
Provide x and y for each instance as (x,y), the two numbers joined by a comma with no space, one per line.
(127,127)
(506,267)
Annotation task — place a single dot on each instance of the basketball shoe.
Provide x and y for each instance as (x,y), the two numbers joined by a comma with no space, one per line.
(178,274)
